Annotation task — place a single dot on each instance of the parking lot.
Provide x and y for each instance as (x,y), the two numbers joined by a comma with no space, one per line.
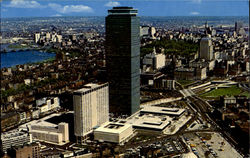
(174,145)
(210,144)
(169,146)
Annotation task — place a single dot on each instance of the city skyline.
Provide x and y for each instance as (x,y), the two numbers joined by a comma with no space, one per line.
(55,8)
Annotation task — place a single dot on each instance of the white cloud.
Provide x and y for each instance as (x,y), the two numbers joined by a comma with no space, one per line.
(55,6)
(24,4)
(70,8)
(112,4)
(194,13)
(196,1)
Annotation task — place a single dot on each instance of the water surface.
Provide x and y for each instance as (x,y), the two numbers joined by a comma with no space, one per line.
(23,57)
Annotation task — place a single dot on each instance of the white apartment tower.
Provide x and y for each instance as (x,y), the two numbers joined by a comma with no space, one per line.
(206,49)
(91,109)
(37,37)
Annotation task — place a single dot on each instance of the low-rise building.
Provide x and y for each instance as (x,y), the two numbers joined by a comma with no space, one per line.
(201,73)
(149,119)
(47,104)
(148,122)
(58,134)
(154,60)
(165,84)
(198,73)
(22,116)
(35,113)
(113,132)
(31,150)
(9,119)
(150,78)
(154,118)
(184,74)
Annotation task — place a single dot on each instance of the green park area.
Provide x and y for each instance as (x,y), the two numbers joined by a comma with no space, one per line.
(177,47)
(230,91)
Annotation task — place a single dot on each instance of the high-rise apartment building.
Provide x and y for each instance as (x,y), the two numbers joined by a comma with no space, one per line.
(91,109)
(123,59)
(206,49)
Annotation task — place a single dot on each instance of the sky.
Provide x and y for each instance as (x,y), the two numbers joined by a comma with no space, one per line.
(56,8)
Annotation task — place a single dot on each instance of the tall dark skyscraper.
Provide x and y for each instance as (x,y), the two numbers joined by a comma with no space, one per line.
(123,59)
(238,26)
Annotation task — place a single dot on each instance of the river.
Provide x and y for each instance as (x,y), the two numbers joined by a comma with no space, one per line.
(23,57)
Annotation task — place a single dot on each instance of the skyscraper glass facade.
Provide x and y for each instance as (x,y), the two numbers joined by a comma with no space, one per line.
(123,59)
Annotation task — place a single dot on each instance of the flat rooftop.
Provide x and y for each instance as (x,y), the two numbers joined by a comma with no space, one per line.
(122,10)
(123,7)
(88,87)
(162,110)
(43,123)
(40,122)
(148,118)
(14,133)
(149,121)
(113,127)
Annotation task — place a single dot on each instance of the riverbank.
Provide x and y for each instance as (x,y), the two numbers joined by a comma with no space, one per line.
(8,48)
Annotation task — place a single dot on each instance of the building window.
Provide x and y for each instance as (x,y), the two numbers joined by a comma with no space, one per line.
(52,101)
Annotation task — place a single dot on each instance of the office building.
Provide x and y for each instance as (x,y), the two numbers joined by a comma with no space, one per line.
(144,31)
(59,38)
(37,37)
(47,36)
(147,32)
(91,109)
(206,49)
(57,134)
(123,59)
(15,138)
(153,60)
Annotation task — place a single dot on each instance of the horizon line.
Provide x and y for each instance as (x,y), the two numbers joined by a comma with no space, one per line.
(138,16)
